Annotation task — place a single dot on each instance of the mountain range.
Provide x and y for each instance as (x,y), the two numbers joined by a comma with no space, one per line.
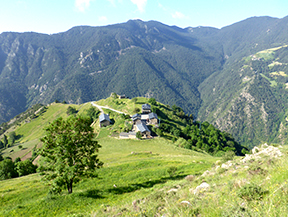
(234,77)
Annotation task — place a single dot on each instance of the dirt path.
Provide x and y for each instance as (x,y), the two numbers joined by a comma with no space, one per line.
(100,107)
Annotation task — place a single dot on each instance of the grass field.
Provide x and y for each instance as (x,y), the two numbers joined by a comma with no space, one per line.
(136,175)
(31,131)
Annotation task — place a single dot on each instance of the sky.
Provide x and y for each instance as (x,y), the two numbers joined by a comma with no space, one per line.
(53,16)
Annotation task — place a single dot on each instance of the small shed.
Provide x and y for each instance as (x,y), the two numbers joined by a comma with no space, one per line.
(153,118)
(146,108)
(104,120)
(122,96)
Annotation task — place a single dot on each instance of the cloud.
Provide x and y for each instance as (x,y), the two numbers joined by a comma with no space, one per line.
(82,5)
(140,4)
(102,18)
(178,15)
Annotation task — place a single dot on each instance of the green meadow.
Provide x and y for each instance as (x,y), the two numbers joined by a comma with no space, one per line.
(137,168)
(151,177)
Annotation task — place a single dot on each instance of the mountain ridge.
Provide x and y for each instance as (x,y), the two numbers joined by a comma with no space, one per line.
(136,58)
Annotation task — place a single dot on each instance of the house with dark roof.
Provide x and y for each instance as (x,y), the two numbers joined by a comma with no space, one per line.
(153,118)
(143,129)
(122,96)
(135,118)
(146,108)
(104,120)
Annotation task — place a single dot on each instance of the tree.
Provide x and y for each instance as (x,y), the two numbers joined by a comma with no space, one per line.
(93,113)
(69,152)
(71,110)
(7,169)
(114,95)
(5,141)
(152,101)
(1,144)
(12,137)
(136,110)
(25,167)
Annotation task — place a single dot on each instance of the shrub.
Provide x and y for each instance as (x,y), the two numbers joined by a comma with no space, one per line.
(136,110)
(25,167)
(172,171)
(114,95)
(229,155)
(251,192)
(71,110)
(134,100)
(138,135)
(152,101)
(7,169)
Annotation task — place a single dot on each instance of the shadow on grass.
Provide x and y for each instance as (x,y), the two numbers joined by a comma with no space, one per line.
(92,193)
(148,184)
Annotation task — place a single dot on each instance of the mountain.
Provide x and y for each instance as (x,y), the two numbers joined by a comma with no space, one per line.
(204,70)
(88,63)
(248,97)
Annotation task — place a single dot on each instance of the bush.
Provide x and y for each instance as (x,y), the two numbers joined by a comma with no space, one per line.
(71,110)
(172,171)
(114,95)
(251,192)
(136,110)
(134,100)
(7,169)
(229,155)
(138,135)
(25,167)
(152,101)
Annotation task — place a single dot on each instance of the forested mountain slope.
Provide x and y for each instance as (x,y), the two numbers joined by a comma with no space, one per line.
(88,63)
(209,72)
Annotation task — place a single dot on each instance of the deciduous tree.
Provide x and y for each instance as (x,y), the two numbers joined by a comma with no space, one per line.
(70,152)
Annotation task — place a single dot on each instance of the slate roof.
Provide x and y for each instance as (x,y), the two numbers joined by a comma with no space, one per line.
(146,107)
(152,115)
(135,117)
(142,127)
(104,117)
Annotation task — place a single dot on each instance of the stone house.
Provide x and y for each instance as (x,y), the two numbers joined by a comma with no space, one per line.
(153,118)
(104,120)
(146,108)
(143,129)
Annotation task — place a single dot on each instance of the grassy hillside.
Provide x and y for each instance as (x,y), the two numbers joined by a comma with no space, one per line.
(148,177)
(144,187)
(135,174)
(30,130)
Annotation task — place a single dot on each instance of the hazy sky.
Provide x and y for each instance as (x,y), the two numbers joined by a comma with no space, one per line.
(53,16)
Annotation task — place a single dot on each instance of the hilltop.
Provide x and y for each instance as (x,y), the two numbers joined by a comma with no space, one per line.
(175,126)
